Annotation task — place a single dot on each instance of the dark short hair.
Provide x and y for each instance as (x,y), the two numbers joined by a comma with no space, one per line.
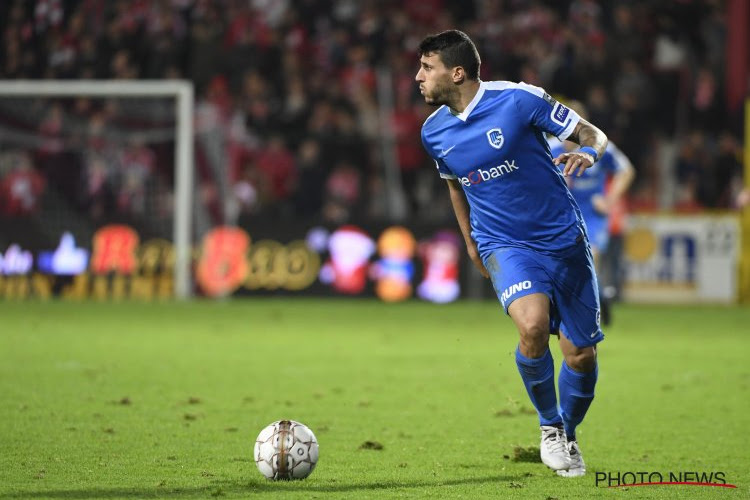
(455,48)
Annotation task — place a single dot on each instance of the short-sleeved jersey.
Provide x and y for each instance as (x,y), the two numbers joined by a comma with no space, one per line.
(496,149)
(594,179)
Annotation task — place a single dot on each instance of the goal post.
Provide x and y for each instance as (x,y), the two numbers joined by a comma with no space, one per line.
(183,93)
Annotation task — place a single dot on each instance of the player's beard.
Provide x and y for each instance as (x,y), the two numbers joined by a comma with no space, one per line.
(441,94)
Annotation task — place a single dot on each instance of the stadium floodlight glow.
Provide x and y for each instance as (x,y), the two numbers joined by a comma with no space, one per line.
(182,91)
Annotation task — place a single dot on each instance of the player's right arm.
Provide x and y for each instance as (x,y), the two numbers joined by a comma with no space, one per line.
(461,209)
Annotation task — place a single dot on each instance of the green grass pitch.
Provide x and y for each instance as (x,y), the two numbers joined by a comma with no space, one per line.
(164,400)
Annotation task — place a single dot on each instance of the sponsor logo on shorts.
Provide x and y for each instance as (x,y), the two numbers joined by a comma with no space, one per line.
(514,289)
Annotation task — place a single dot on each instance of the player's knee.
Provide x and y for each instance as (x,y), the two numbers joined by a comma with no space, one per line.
(582,360)
(534,336)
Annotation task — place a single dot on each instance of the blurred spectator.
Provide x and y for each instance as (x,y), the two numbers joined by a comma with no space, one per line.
(207,28)
(277,164)
(21,186)
(166,30)
(669,59)
(308,194)
(632,131)
(358,72)
(131,193)
(295,108)
(705,101)
(122,67)
(47,13)
(406,123)
(706,178)
(627,36)
(57,163)
(343,191)
(97,196)
(693,161)
(599,105)
(346,142)
(259,103)
(137,164)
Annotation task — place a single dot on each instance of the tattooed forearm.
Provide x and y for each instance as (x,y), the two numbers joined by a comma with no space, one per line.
(587,134)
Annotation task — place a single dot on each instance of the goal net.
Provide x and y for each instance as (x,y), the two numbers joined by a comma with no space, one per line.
(81,157)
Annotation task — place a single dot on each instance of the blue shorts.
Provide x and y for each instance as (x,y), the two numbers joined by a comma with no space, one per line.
(568,279)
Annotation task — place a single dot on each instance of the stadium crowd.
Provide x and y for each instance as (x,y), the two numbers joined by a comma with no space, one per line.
(289,92)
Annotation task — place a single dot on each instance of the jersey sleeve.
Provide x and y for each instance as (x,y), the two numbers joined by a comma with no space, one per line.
(444,171)
(542,111)
(442,168)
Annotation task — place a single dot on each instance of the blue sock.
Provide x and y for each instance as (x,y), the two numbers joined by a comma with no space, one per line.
(539,378)
(576,394)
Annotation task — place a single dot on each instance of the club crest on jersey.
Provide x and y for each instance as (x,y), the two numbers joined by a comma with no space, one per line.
(495,136)
(559,114)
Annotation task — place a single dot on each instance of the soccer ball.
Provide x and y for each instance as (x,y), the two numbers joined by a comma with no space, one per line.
(286,449)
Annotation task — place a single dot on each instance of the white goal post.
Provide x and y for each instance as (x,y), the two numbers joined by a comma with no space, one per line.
(182,92)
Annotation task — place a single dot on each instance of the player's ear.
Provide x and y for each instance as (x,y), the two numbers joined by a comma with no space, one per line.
(459,75)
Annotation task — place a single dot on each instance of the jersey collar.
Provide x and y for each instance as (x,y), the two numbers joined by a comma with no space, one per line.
(463,115)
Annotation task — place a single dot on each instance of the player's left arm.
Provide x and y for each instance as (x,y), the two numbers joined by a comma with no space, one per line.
(591,139)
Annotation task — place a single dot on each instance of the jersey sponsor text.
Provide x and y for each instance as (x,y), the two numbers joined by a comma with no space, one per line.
(482,175)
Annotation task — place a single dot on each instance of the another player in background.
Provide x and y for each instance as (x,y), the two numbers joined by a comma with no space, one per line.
(596,198)
(521,226)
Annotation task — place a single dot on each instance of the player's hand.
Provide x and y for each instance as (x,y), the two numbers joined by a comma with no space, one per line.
(575,160)
(477,260)
(601,204)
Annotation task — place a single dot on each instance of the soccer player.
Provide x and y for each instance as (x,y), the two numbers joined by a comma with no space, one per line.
(594,199)
(522,228)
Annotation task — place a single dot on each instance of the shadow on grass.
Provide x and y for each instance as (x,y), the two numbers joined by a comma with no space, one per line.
(229,488)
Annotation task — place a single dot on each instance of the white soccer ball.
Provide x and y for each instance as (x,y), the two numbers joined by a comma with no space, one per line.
(286,449)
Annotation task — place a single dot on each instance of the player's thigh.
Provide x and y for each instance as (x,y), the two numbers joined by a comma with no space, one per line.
(516,273)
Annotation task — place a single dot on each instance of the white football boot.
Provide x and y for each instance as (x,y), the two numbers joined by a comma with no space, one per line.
(577,467)
(554,448)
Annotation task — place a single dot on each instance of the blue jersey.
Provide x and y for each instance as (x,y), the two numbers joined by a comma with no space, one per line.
(496,149)
(592,183)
